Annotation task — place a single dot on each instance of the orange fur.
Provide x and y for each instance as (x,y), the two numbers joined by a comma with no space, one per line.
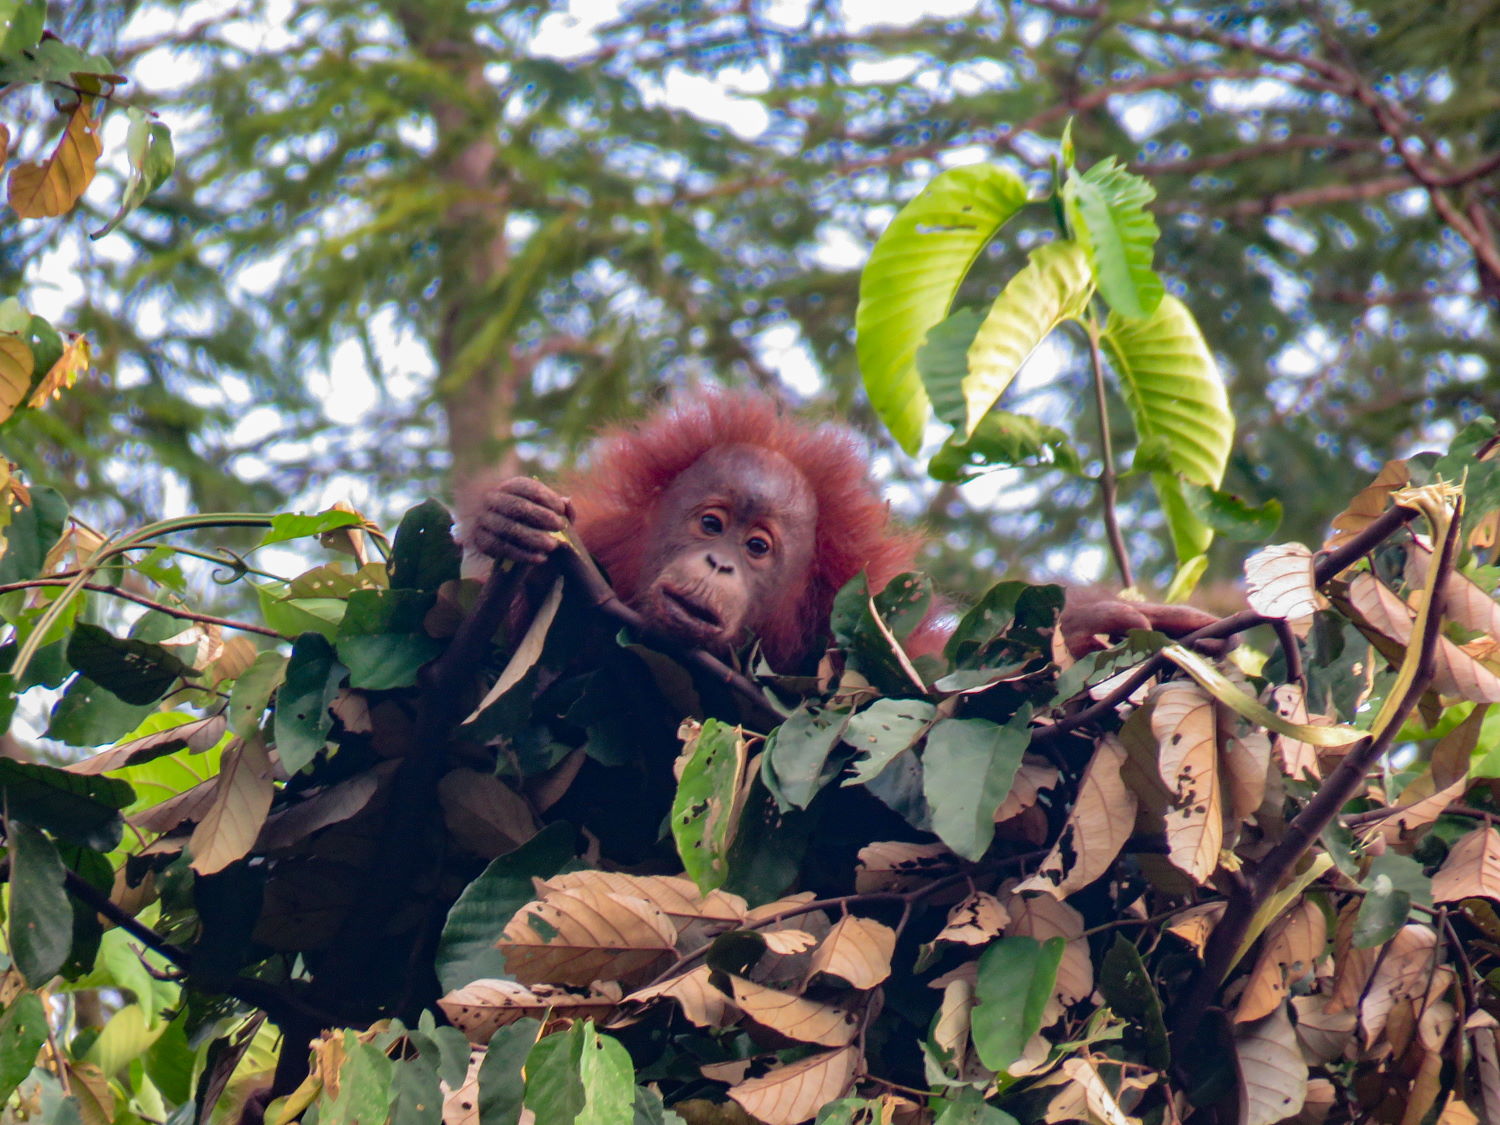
(617,493)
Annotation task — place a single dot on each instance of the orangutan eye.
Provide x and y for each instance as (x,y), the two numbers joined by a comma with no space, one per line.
(758,547)
(711,523)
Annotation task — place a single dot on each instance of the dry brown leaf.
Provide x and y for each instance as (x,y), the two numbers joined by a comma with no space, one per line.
(1472,869)
(857,950)
(242,797)
(1297,759)
(1279,582)
(788,943)
(730,1071)
(1247,763)
(1408,821)
(1456,1111)
(461,1105)
(789,1095)
(674,895)
(1322,1096)
(483,815)
(780,906)
(1402,974)
(1031,778)
(197,736)
(950,1030)
(977,920)
(796,1017)
(700,1001)
(895,866)
(1194,924)
(1098,1101)
(1454,672)
(352,709)
(49,189)
(1042,917)
(1351,967)
(477,1009)
(1290,950)
(1096,829)
(1463,601)
(1186,730)
(1325,1036)
(578,937)
(1369,503)
(291,824)
(1273,1077)
(189,805)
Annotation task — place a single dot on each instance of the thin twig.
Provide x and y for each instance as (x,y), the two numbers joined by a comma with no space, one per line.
(141,599)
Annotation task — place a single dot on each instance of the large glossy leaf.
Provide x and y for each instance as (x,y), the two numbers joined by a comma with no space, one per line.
(1054,286)
(912,276)
(1016,978)
(1107,209)
(1176,397)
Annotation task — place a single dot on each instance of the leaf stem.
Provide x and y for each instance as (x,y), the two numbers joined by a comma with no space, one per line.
(1108,481)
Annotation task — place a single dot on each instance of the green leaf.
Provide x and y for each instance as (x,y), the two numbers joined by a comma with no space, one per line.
(416,1096)
(704,812)
(882,730)
(943,361)
(41,918)
(88,715)
(999,441)
(608,1080)
(1383,911)
(148,144)
(33,531)
(296,525)
(466,951)
(967,770)
(554,1082)
(137,671)
(501,1086)
(1181,412)
(23,1030)
(23,21)
(291,616)
(52,60)
(75,807)
(912,276)
(381,640)
(1229,515)
(1128,989)
(302,721)
(796,754)
(966,1106)
(424,555)
(364,1096)
(1106,208)
(125,1038)
(46,344)
(252,692)
(1015,981)
(1055,285)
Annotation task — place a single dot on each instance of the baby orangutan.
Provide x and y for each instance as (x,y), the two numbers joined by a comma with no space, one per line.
(720,519)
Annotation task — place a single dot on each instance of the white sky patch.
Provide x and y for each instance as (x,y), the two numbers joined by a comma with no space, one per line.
(782,349)
(709,100)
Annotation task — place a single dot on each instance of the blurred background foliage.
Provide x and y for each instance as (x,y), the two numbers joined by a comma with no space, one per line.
(411,240)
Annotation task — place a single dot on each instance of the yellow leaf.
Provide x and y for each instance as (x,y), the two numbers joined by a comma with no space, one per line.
(73,362)
(16,365)
(40,191)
